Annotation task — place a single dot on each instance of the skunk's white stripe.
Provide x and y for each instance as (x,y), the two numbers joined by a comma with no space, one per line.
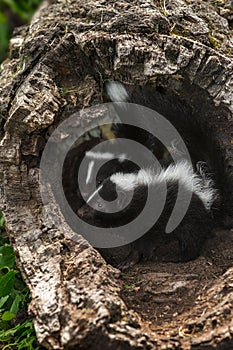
(89,171)
(94,193)
(121,157)
(99,155)
(205,191)
(105,155)
(181,172)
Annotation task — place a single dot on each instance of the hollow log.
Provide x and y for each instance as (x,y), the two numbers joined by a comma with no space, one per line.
(180,53)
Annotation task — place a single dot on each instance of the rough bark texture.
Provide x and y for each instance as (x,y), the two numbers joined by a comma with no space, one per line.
(56,66)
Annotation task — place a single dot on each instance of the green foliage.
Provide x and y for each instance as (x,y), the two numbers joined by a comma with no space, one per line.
(23,8)
(7,257)
(19,337)
(16,329)
(129,286)
(13,13)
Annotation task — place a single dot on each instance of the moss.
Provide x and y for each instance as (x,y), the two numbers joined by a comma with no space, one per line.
(178,29)
(213,41)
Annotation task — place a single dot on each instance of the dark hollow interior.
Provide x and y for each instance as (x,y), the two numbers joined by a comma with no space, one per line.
(195,118)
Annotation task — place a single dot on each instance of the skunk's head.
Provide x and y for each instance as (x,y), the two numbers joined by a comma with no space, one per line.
(111,162)
(100,166)
(110,194)
(95,157)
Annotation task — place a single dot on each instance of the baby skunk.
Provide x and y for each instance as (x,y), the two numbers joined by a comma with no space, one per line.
(119,176)
(117,92)
(190,233)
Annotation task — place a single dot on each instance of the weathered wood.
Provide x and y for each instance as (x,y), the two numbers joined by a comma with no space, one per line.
(56,66)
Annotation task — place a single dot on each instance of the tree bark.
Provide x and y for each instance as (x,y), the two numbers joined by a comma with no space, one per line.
(56,66)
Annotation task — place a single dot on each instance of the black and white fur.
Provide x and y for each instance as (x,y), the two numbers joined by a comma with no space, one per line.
(197,223)
(191,232)
(118,93)
(93,163)
(113,162)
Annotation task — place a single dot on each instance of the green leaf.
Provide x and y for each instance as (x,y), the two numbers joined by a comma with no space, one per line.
(22,8)
(3,300)
(7,283)
(2,221)
(23,329)
(15,305)
(8,316)
(129,286)
(2,18)
(6,335)
(4,326)
(7,257)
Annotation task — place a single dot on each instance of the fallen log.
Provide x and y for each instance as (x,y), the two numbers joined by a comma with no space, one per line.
(56,67)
